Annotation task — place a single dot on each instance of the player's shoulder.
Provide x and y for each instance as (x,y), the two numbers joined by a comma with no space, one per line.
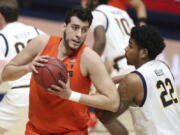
(90,56)
(132,79)
(89,52)
(132,83)
(42,39)
(38,43)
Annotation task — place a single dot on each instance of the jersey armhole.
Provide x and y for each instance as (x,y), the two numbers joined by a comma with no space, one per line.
(37,31)
(6,43)
(107,21)
(144,87)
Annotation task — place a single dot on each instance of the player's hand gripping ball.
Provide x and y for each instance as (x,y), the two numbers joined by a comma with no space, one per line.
(50,73)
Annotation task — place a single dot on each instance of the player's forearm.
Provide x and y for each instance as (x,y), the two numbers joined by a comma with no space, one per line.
(12,72)
(116,79)
(100,101)
(141,11)
(116,127)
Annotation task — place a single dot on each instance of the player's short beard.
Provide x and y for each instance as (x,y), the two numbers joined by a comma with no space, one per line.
(66,43)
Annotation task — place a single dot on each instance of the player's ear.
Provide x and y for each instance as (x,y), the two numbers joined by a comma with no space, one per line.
(144,53)
(64,27)
(1,16)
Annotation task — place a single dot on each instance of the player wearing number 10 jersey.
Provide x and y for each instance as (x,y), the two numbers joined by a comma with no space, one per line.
(111,27)
(13,38)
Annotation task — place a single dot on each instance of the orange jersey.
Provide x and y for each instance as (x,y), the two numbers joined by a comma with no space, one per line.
(52,114)
(122,4)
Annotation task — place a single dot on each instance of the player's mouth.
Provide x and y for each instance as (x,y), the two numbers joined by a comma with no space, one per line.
(76,42)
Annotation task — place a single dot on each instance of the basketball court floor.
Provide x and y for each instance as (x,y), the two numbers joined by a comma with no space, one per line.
(54,28)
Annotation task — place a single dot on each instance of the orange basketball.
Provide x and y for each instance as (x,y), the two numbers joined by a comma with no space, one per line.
(50,73)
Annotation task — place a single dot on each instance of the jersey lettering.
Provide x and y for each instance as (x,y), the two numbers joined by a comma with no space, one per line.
(167,89)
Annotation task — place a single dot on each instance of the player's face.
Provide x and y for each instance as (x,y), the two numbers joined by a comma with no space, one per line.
(132,53)
(75,33)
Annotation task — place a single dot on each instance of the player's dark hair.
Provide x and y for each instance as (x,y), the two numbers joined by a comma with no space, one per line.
(9,9)
(81,13)
(147,37)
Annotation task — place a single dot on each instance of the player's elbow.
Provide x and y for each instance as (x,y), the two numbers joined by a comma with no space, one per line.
(114,104)
(99,46)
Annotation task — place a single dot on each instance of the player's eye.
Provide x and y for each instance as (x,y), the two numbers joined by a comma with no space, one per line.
(75,27)
(84,30)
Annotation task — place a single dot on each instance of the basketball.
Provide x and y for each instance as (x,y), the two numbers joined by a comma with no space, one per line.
(50,73)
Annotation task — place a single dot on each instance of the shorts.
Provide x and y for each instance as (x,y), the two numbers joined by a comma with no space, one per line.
(31,130)
(14,109)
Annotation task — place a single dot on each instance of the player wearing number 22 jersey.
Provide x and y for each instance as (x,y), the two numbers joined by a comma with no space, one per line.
(149,90)
(13,108)
(160,95)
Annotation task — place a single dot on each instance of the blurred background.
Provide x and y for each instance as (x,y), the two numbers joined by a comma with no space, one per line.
(48,15)
(164,14)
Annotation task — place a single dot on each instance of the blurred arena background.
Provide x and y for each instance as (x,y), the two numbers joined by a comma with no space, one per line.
(162,14)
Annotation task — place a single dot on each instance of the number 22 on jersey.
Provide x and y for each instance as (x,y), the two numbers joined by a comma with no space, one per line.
(167,90)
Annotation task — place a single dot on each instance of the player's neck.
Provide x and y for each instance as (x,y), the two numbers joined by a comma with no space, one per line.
(142,63)
(2,25)
(63,52)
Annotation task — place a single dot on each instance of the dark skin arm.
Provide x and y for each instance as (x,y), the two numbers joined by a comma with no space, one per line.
(116,128)
(99,39)
(131,92)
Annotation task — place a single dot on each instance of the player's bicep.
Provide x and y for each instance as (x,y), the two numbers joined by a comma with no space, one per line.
(130,90)
(98,73)
(125,94)
(100,34)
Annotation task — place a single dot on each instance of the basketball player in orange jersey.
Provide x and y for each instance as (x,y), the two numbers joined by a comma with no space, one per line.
(54,112)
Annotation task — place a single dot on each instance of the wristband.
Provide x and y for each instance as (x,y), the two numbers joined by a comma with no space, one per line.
(75,96)
(142,19)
